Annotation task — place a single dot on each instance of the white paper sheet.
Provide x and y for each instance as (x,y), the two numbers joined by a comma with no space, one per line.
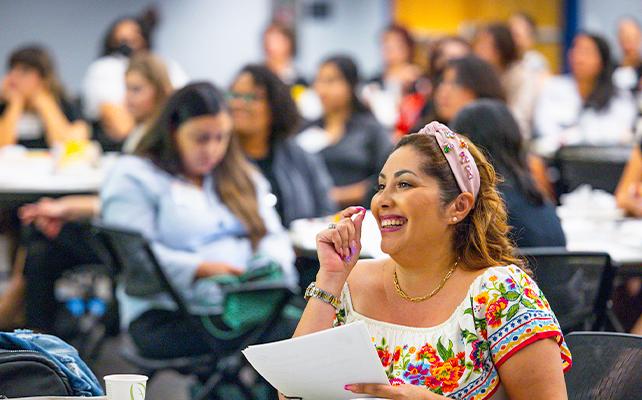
(319,365)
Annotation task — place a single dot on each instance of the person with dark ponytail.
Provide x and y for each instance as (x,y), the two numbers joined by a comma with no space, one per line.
(104,82)
(348,137)
(490,125)
(206,210)
(584,107)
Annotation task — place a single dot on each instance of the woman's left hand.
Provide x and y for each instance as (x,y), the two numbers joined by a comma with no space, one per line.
(400,392)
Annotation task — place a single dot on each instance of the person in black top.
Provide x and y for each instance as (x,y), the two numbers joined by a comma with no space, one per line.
(34,111)
(352,143)
(490,125)
(265,116)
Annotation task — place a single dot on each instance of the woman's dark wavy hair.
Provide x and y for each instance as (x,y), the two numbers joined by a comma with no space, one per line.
(285,118)
(504,43)
(146,21)
(491,126)
(478,76)
(233,174)
(604,89)
(350,73)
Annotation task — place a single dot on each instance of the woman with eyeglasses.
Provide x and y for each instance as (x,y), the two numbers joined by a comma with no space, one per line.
(265,118)
(348,137)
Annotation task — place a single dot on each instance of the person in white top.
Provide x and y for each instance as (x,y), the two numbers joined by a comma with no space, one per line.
(628,74)
(524,30)
(104,84)
(584,107)
(494,44)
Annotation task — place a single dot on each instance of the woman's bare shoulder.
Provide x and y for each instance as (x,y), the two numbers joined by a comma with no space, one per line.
(366,274)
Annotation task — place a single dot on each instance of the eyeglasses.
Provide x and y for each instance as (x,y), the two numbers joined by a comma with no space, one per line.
(245,97)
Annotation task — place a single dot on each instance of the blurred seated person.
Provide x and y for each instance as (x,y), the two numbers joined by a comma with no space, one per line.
(629,72)
(147,87)
(34,110)
(584,107)
(442,51)
(348,138)
(279,46)
(104,85)
(264,118)
(524,31)
(494,44)
(629,191)
(463,81)
(61,243)
(490,125)
(205,209)
(384,91)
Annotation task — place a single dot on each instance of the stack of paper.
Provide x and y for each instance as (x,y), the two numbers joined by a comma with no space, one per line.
(319,365)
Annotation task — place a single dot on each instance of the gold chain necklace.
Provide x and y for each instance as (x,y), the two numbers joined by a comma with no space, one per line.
(425,297)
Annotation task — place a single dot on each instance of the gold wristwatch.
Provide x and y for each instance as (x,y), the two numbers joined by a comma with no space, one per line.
(314,291)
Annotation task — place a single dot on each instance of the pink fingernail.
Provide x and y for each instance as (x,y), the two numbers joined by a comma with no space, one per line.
(353,248)
(347,387)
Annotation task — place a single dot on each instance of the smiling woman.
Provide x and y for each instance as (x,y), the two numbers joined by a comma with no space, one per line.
(451,312)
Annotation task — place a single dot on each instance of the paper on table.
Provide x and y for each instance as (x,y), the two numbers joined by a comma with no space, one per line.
(319,365)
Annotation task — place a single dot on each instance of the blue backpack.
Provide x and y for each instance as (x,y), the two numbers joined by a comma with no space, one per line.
(49,359)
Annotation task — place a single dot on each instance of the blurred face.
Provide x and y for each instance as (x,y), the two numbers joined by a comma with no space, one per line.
(128,32)
(521,32)
(140,96)
(333,90)
(630,38)
(484,47)
(584,58)
(23,79)
(249,107)
(277,45)
(450,96)
(394,49)
(407,205)
(202,143)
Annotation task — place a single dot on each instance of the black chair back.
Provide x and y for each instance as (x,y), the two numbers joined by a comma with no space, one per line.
(576,284)
(134,260)
(606,366)
(598,166)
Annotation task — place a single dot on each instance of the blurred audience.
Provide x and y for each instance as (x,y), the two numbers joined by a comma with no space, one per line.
(489,124)
(265,118)
(205,209)
(34,109)
(351,142)
(147,87)
(494,44)
(465,80)
(104,83)
(629,71)
(524,31)
(280,48)
(384,91)
(441,52)
(584,107)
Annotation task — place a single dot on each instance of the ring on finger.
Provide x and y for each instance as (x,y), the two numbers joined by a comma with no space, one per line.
(332,226)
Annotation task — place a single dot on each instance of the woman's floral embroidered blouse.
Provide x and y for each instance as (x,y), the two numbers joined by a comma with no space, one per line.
(503,311)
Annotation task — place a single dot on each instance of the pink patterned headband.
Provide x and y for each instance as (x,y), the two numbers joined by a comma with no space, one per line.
(459,159)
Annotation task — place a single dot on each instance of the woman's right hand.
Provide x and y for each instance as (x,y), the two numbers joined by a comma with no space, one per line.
(339,246)
(208,268)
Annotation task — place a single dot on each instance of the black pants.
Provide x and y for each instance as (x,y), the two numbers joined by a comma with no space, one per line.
(164,334)
(46,261)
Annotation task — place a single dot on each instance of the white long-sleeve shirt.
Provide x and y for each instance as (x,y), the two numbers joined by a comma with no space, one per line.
(560,118)
(187,225)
